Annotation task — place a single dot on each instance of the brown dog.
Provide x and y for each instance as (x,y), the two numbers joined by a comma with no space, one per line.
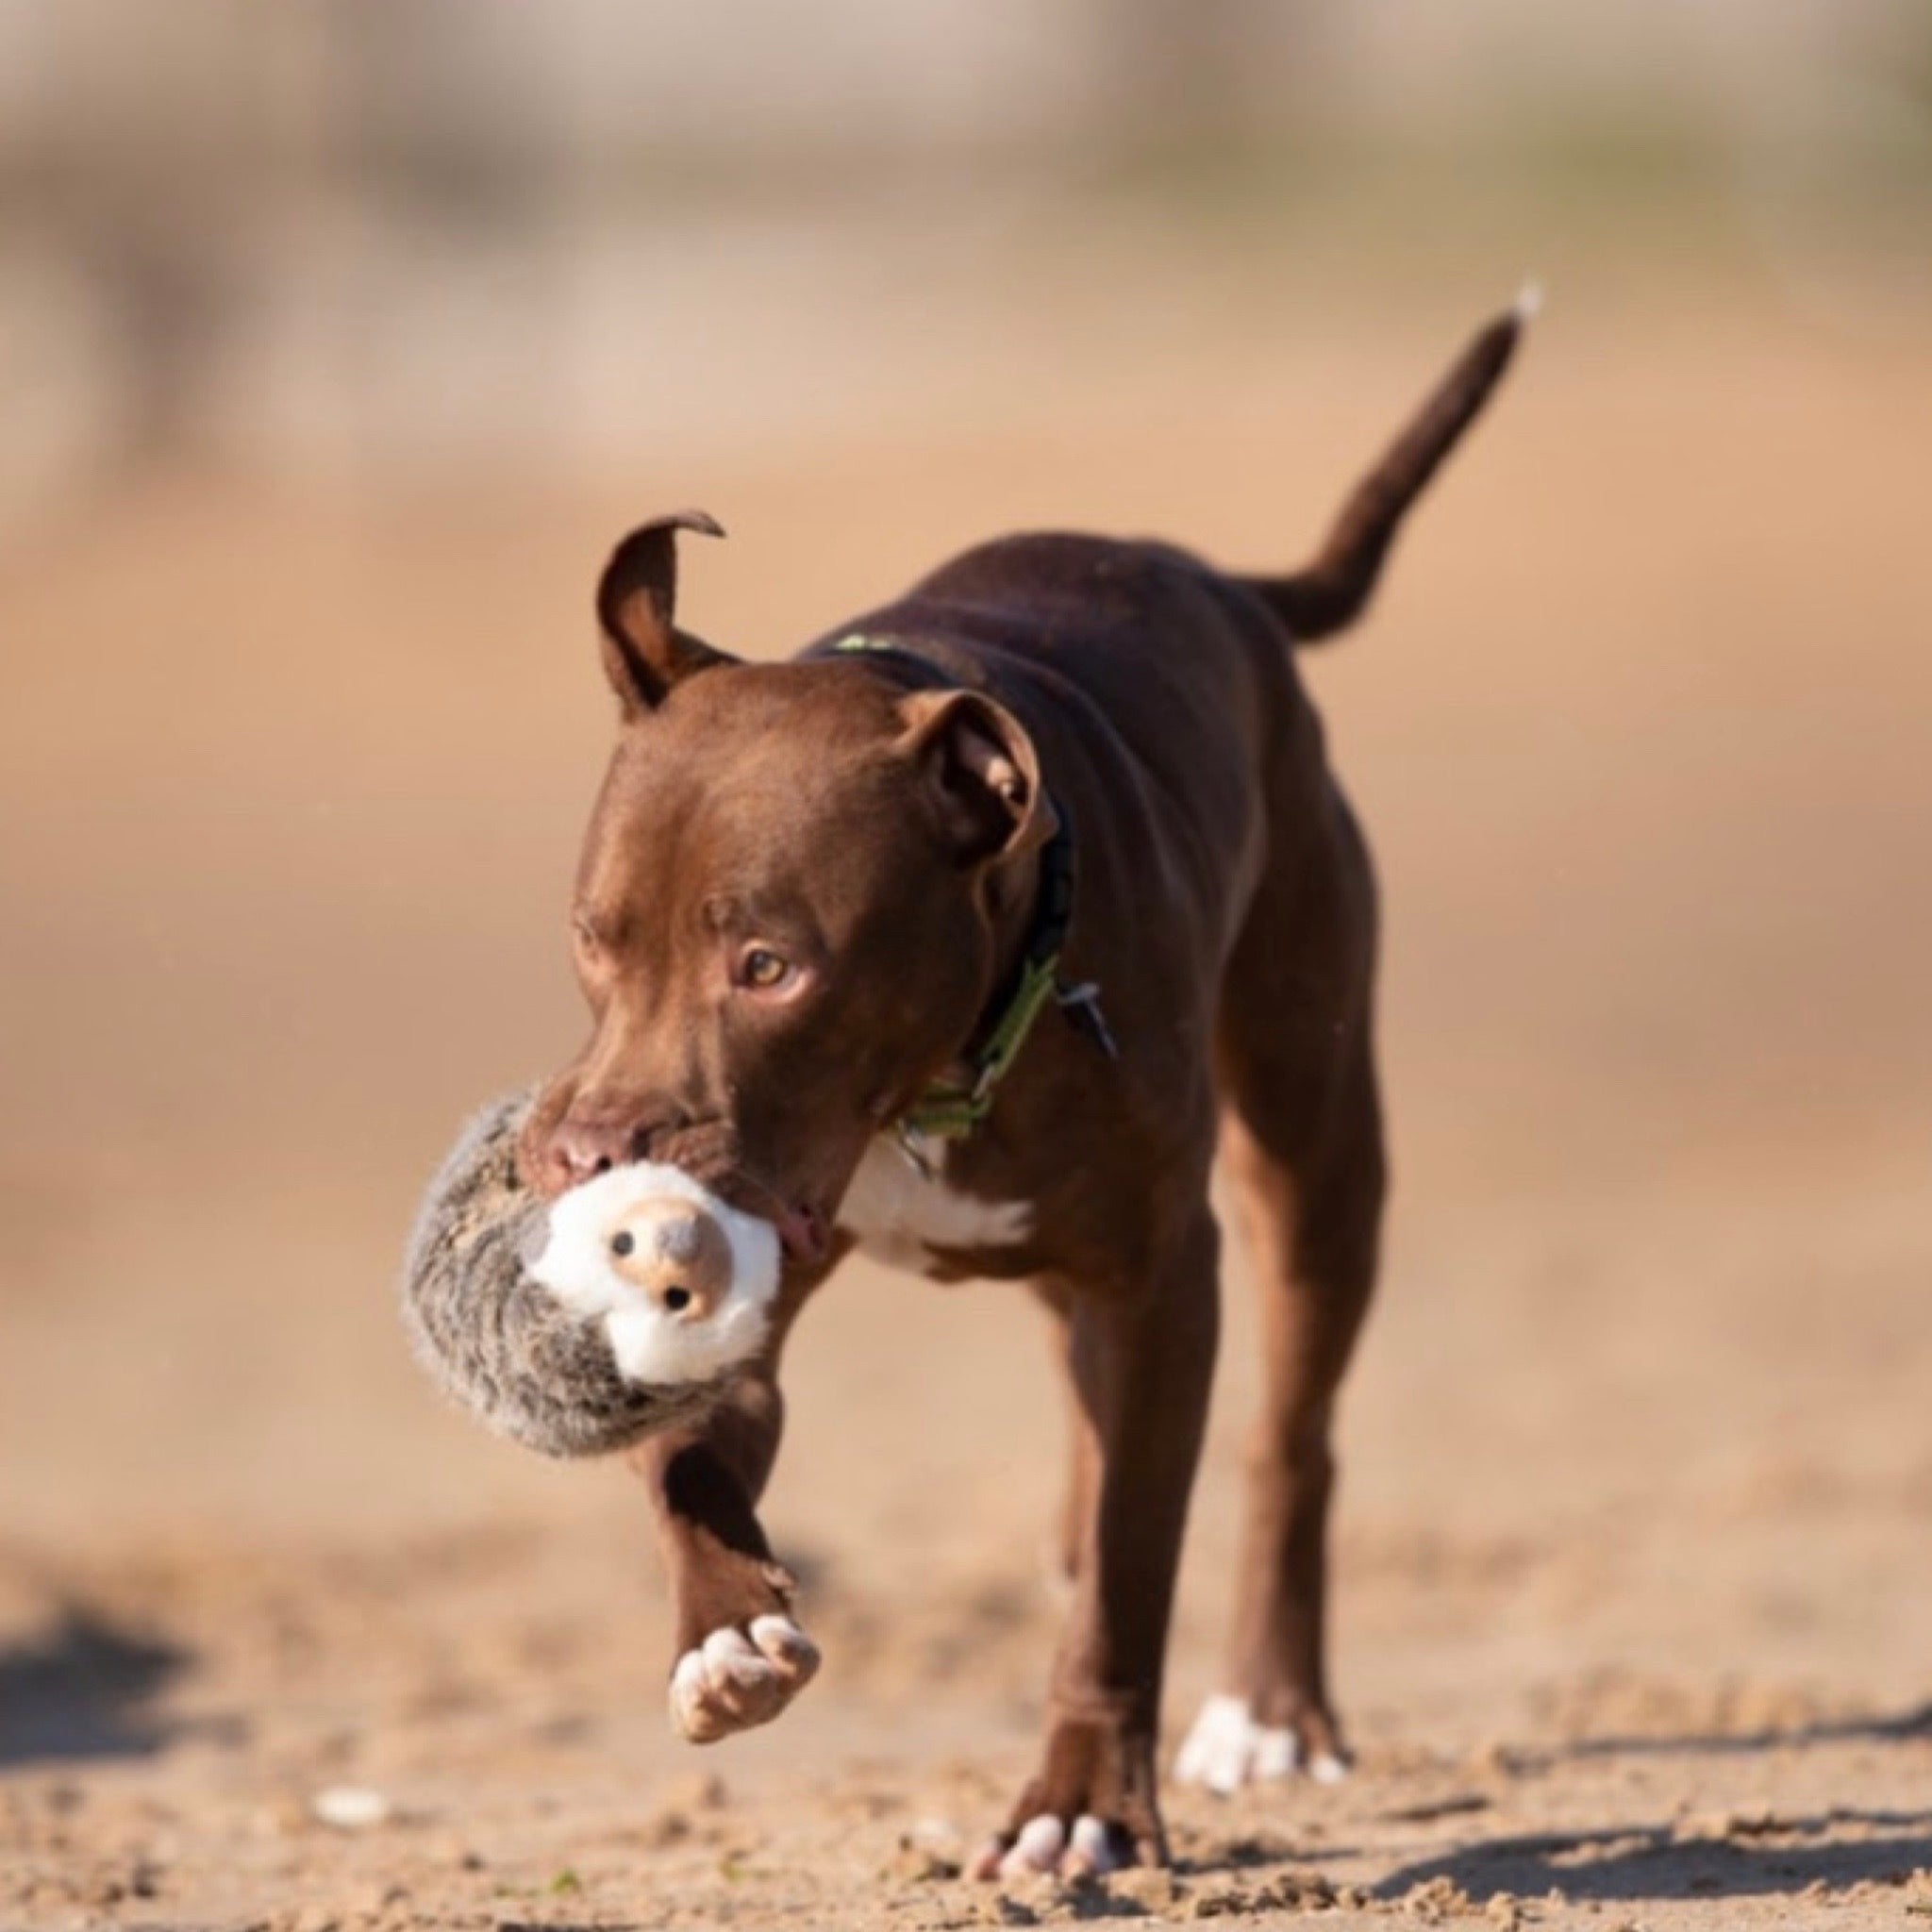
(965,937)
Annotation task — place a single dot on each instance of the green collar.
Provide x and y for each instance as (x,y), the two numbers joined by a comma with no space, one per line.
(950,1111)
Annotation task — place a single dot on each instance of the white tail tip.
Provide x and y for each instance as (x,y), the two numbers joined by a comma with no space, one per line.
(1529,302)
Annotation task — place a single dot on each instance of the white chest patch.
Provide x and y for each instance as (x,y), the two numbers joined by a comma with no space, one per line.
(898,1216)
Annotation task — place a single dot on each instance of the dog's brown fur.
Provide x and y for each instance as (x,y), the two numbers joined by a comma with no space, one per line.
(875,824)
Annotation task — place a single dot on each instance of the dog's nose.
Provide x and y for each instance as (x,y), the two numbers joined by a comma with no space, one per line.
(581,1149)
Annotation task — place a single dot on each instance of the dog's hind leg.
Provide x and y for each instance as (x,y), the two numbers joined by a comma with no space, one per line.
(1302,1129)
(1302,1139)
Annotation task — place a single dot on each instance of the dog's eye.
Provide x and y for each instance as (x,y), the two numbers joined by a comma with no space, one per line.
(762,969)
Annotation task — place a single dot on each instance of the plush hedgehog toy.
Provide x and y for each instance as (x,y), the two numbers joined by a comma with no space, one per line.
(579,1327)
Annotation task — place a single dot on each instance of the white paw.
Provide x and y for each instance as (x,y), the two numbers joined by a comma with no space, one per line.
(1043,1843)
(1228,1748)
(739,1678)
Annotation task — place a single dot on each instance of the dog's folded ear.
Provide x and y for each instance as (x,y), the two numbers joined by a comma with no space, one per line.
(645,652)
(981,772)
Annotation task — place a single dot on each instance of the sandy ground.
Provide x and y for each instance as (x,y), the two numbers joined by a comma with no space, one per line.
(1634,1606)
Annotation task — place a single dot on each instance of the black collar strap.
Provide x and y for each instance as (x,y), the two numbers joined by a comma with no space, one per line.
(954,1111)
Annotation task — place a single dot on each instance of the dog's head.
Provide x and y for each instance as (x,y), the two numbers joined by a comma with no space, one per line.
(789,909)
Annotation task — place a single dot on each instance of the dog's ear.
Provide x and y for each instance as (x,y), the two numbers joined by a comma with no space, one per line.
(981,772)
(645,652)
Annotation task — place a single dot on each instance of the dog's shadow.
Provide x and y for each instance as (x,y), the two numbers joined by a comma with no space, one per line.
(1914,1721)
(84,1690)
(1659,1861)
(1776,1854)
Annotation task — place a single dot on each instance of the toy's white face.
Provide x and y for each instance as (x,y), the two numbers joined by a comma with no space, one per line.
(653,1342)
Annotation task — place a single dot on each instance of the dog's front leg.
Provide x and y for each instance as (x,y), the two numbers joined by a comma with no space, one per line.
(740,1658)
(1141,1365)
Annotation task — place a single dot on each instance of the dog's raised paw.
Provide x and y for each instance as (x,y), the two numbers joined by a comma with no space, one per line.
(739,1678)
(1230,1747)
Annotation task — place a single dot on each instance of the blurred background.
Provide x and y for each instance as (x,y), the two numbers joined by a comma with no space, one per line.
(339,339)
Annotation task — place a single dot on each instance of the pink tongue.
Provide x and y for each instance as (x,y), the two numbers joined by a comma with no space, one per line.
(801,1233)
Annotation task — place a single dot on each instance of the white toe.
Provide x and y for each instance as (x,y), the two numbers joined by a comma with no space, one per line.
(1274,1754)
(1215,1751)
(1216,1732)
(1092,1845)
(689,1691)
(785,1646)
(1228,1748)
(1036,1848)
(729,1660)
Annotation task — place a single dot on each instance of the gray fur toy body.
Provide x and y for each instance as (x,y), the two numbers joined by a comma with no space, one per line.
(498,1341)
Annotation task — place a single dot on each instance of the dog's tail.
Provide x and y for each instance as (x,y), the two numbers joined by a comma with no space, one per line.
(1328,594)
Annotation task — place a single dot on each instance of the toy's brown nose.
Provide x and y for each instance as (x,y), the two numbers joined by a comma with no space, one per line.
(675,1253)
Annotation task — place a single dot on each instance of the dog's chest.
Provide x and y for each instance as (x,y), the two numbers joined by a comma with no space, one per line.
(899,1216)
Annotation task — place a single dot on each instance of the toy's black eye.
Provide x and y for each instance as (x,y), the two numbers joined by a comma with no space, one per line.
(676,1298)
(622,1244)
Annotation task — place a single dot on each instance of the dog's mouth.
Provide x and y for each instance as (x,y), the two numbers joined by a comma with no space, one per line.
(710,1152)
(805,1229)
(804,1232)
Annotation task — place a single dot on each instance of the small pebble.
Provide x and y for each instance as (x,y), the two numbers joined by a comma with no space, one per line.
(350,1808)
